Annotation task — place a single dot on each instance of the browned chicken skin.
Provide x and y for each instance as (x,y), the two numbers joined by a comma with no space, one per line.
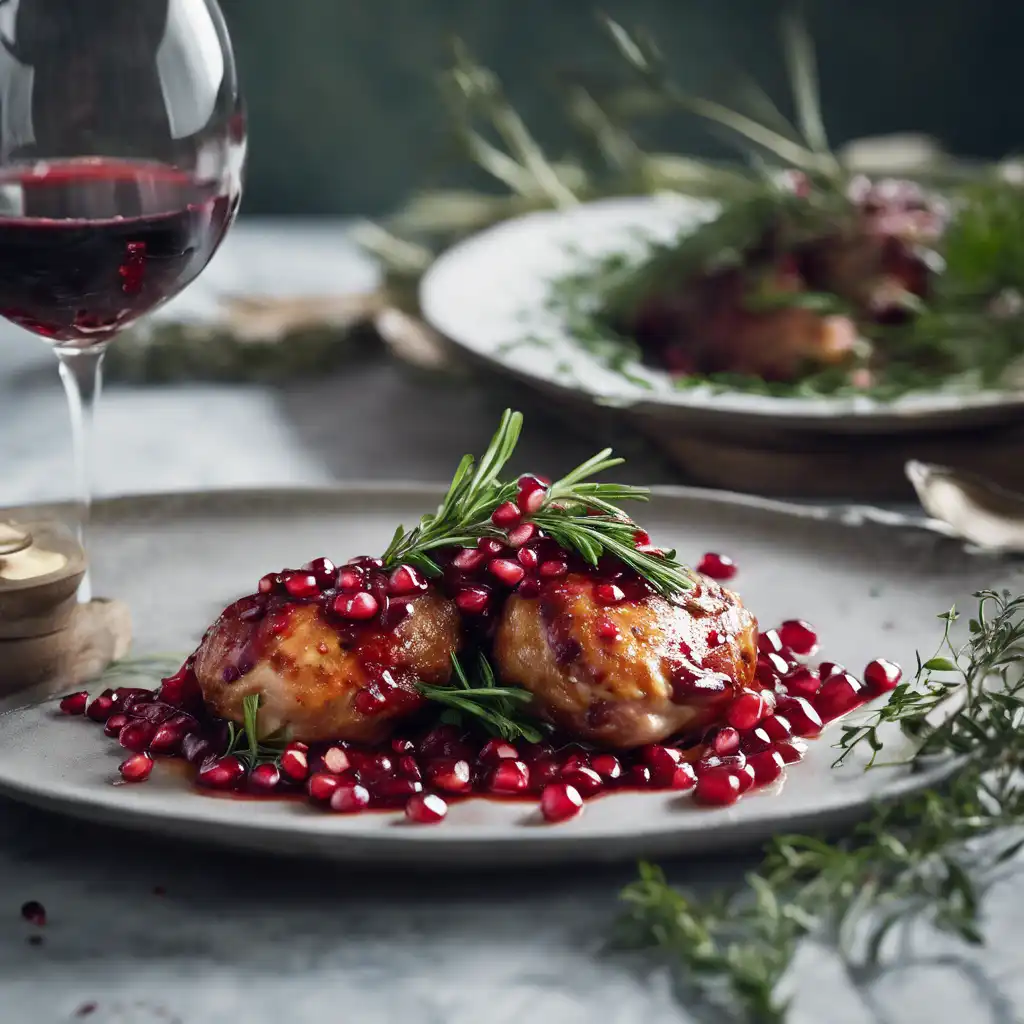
(631,673)
(321,682)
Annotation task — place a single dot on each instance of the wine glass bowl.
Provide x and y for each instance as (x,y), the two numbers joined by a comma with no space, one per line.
(122,146)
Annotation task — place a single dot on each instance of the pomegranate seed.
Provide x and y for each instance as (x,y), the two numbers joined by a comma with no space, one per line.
(753,741)
(838,694)
(608,593)
(607,630)
(34,912)
(792,750)
(726,741)
(560,801)
(396,789)
(662,761)
(827,669)
(137,768)
(409,768)
(450,775)
(642,539)
(767,765)
(510,573)
(195,748)
(473,600)
(369,702)
(527,558)
(770,669)
(522,534)
(336,761)
(490,546)
(777,727)
(684,777)
(321,786)
(639,775)
(497,750)
(510,777)
(324,570)
(405,580)
(101,708)
(745,775)
(114,724)
(224,773)
(350,579)
(584,780)
(349,799)
(607,766)
(376,769)
(553,569)
(264,778)
(167,739)
(717,789)
(136,736)
(359,607)
(425,809)
(75,703)
(769,642)
(302,585)
(543,771)
(506,515)
(402,746)
(268,583)
(801,682)
(718,567)
(529,588)
(880,676)
(531,498)
(294,764)
(799,637)
(801,715)
(746,710)
(469,559)
(576,759)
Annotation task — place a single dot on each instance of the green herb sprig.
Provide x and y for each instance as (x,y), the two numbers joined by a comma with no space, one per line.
(930,856)
(500,710)
(246,744)
(567,515)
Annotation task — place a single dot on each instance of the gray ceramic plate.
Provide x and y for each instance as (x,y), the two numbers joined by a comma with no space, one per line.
(527,254)
(872,589)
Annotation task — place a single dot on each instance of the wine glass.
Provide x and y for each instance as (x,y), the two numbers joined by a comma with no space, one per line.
(122,144)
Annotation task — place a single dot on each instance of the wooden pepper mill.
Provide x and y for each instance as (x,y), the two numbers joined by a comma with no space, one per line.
(45,634)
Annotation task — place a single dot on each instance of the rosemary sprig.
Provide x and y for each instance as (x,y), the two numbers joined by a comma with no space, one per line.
(498,709)
(567,515)
(930,856)
(246,743)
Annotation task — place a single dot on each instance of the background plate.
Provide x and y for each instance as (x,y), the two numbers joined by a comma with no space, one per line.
(489,292)
(871,589)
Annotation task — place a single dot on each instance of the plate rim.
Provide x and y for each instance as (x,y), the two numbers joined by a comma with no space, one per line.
(914,410)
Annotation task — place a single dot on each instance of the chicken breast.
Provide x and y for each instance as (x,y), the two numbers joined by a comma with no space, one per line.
(630,673)
(321,681)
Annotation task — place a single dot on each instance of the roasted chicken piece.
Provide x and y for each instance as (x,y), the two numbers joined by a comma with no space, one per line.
(323,680)
(631,672)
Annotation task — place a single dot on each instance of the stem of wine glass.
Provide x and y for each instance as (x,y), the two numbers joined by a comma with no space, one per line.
(81,370)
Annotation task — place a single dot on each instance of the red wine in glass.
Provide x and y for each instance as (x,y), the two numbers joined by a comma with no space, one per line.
(97,243)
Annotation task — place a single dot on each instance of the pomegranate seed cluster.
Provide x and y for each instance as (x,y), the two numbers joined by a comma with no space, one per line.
(423,773)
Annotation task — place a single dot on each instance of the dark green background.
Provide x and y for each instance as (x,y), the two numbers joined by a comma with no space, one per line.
(345,117)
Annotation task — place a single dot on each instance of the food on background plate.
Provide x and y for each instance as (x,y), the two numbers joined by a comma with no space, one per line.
(528,639)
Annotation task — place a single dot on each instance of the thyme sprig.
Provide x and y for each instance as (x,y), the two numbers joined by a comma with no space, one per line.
(580,514)
(929,856)
(500,710)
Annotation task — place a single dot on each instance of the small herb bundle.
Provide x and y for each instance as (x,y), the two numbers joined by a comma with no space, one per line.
(582,516)
(246,743)
(500,710)
(928,856)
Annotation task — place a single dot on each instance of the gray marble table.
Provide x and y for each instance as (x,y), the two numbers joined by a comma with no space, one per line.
(144,932)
